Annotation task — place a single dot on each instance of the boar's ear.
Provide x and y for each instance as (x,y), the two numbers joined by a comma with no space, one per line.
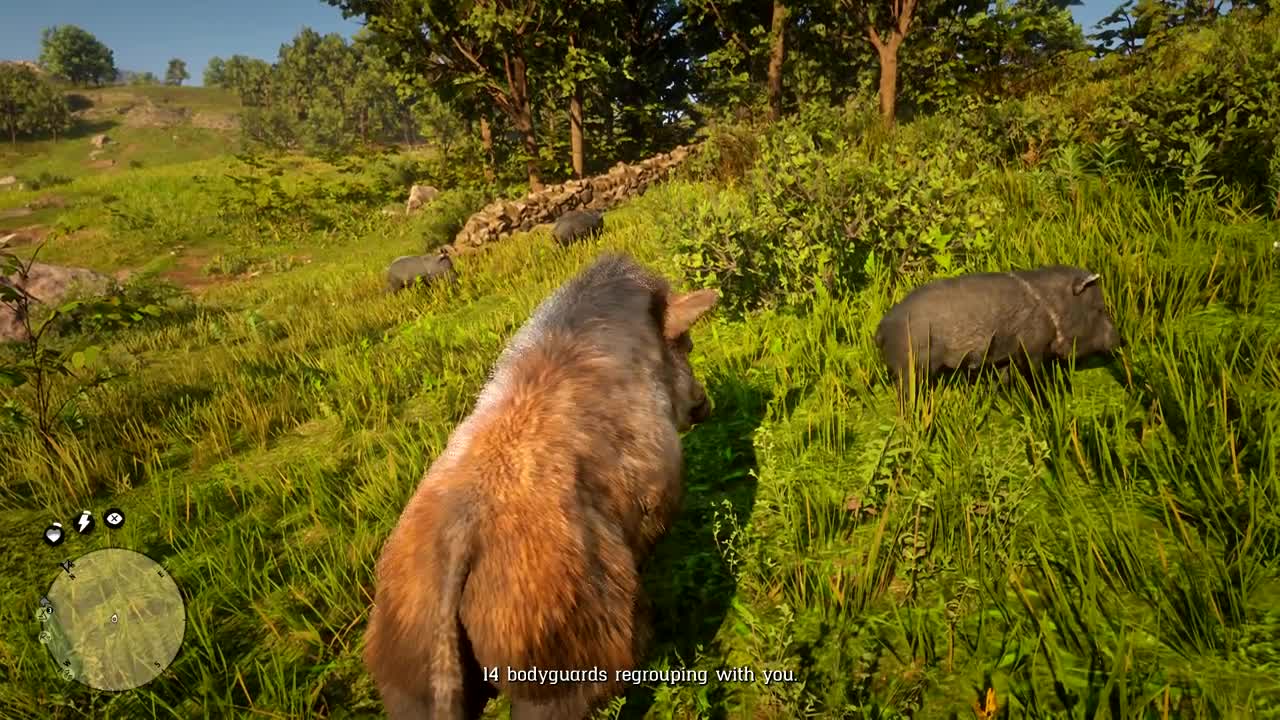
(684,310)
(1083,283)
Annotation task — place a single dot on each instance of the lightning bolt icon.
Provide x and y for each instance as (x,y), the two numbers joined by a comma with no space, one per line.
(83,521)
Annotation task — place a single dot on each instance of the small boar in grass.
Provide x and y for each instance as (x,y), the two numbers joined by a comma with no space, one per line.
(523,544)
(408,269)
(576,225)
(997,319)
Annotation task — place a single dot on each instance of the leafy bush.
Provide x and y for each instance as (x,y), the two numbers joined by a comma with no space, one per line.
(140,303)
(727,153)
(261,198)
(445,216)
(806,219)
(393,174)
(1196,108)
(44,180)
(45,374)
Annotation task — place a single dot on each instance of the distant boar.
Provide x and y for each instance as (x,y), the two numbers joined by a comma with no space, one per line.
(576,225)
(405,270)
(522,546)
(997,319)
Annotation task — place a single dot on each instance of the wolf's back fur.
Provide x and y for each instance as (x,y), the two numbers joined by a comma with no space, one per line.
(522,545)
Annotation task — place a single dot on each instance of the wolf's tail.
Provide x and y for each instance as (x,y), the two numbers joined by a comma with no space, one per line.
(444,662)
(415,646)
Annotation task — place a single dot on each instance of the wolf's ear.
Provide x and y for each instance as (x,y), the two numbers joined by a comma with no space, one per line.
(684,310)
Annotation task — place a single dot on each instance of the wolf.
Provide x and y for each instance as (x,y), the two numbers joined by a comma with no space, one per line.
(522,547)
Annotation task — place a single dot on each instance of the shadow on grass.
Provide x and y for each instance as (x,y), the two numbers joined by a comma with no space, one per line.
(687,579)
(88,128)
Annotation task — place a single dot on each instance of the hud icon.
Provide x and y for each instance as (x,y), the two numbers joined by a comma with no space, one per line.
(53,534)
(84,522)
(114,518)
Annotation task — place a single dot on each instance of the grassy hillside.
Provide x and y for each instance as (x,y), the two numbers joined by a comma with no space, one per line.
(1105,548)
(148,126)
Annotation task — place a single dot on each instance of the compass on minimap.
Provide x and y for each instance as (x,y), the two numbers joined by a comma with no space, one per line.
(113,619)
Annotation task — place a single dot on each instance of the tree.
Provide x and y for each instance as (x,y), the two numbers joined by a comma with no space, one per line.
(886,24)
(130,77)
(240,73)
(777,54)
(649,101)
(29,104)
(378,111)
(215,72)
(1134,24)
(248,77)
(753,41)
(17,88)
(731,64)
(71,52)
(176,72)
(323,94)
(485,46)
(589,34)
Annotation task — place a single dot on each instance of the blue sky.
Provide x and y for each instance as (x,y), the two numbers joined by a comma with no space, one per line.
(144,34)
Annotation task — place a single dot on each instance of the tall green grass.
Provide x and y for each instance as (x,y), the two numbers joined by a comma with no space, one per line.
(1104,548)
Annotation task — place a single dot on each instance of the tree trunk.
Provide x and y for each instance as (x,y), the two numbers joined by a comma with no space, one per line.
(777,54)
(887,50)
(575,133)
(486,140)
(522,104)
(889,79)
(575,126)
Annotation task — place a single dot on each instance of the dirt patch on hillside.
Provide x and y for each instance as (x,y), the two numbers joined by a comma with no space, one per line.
(188,271)
(215,121)
(149,114)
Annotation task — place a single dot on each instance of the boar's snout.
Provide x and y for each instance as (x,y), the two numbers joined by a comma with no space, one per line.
(1111,338)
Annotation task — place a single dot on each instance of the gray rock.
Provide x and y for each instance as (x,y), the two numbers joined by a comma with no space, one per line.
(995,319)
(47,285)
(405,270)
(576,225)
(419,197)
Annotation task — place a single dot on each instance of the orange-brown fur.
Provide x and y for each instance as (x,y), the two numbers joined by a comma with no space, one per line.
(522,546)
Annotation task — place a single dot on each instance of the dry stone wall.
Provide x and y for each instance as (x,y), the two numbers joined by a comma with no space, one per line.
(602,192)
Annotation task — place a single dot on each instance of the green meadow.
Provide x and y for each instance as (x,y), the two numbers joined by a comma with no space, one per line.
(1103,547)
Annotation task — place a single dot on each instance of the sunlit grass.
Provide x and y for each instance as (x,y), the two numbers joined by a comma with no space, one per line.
(1106,547)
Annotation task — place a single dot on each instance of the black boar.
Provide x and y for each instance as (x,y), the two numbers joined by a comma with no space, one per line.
(577,224)
(997,319)
(406,270)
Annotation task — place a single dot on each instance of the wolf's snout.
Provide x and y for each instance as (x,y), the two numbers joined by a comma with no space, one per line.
(701,411)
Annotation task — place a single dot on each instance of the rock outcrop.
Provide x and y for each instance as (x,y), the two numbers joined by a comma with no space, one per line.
(47,285)
(602,192)
(420,196)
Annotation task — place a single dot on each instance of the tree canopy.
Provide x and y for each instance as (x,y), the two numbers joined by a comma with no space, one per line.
(29,104)
(72,53)
(176,73)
